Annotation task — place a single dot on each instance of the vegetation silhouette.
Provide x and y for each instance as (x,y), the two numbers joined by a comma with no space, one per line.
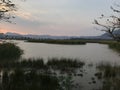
(7,8)
(30,74)
(110,76)
(53,63)
(9,51)
(111,24)
(19,80)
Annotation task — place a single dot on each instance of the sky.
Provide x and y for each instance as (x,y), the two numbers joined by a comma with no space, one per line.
(57,17)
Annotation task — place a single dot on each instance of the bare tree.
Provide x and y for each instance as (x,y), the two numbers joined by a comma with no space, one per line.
(6,9)
(111,23)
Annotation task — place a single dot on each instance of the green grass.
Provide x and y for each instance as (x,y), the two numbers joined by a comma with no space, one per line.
(9,51)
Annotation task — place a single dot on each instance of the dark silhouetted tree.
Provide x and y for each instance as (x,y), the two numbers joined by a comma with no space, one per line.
(6,10)
(111,23)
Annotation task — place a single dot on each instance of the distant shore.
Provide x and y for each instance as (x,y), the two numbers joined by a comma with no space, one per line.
(64,42)
(111,43)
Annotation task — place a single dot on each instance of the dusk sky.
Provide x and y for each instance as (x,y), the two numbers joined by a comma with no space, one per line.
(57,17)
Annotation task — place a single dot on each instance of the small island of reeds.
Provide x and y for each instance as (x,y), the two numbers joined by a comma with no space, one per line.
(59,41)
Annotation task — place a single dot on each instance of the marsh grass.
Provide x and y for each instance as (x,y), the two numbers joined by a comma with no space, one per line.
(54,63)
(19,80)
(25,64)
(64,64)
(110,76)
(26,74)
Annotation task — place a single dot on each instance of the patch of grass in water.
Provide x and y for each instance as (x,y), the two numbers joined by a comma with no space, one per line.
(64,63)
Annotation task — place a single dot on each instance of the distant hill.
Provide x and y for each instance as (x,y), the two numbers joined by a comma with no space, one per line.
(20,36)
(108,36)
(12,34)
(16,35)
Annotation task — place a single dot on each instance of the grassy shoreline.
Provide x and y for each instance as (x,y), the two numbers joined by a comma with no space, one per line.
(115,46)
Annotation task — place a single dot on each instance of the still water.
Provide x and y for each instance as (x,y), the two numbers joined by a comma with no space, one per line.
(91,52)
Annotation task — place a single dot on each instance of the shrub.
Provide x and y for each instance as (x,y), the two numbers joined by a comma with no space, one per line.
(10,51)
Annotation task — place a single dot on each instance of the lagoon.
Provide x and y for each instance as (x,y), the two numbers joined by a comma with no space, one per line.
(91,52)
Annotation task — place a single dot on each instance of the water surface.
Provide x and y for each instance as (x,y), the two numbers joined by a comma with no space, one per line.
(91,52)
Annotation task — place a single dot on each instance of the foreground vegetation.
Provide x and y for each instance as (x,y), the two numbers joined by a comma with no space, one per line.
(20,80)
(9,51)
(54,63)
(35,74)
(110,75)
(30,74)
